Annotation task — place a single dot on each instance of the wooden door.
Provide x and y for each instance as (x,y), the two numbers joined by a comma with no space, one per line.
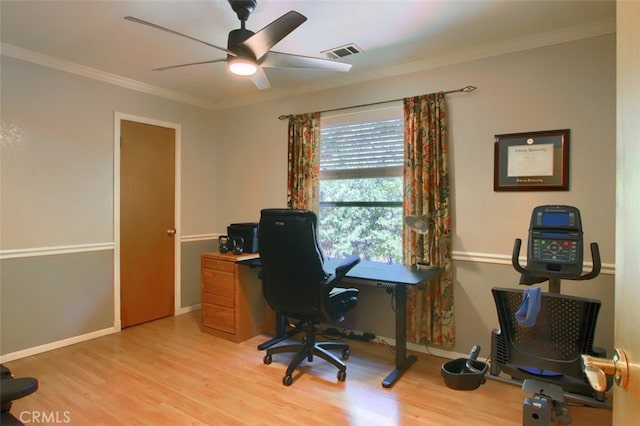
(147,222)
(626,401)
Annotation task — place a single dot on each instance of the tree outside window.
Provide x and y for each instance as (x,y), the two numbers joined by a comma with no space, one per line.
(361,187)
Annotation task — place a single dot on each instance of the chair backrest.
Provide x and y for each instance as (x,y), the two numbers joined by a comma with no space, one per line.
(564,330)
(292,263)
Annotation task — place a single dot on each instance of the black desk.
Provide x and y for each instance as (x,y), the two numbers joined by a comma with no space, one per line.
(383,275)
(396,277)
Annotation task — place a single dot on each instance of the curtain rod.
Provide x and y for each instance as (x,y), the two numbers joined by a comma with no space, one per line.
(465,89)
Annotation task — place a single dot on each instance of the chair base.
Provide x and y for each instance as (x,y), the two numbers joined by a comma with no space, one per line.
(308,350)
(281,335)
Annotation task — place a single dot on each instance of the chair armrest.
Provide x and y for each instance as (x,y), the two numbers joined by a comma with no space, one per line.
(346,265)
(341,270)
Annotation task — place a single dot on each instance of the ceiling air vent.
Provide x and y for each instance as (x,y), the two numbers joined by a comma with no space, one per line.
(342,51)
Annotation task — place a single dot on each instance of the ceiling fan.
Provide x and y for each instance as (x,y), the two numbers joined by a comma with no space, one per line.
(248,52)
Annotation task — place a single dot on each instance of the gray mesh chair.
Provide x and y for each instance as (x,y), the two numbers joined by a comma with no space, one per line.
(550,350)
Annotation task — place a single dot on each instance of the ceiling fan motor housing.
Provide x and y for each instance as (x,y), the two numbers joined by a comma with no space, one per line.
(243,8)
(235,38)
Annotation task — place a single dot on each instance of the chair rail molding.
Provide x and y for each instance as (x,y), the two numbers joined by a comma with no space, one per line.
(54,250)
(502,259)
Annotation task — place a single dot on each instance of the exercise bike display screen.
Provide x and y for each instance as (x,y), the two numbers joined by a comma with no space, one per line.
(555,219)
(555,241)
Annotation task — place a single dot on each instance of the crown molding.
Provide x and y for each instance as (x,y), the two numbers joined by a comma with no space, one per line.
(96,74)
(560,35)
(534,41)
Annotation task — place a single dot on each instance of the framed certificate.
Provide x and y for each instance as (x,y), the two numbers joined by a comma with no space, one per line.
(532,161)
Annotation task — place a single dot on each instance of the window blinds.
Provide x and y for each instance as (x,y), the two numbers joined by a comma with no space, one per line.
(362,144)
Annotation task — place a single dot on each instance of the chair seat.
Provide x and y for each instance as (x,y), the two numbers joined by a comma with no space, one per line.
(342,300)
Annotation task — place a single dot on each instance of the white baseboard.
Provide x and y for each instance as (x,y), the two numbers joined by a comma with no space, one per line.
(77,339)
(442,353)
(430,350)
(187,309)
(56,345)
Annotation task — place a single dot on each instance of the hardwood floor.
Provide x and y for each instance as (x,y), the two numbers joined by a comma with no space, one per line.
(167,372)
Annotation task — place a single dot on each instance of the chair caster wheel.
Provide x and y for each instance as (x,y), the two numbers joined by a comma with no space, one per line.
(287,380)
(342,375)
(345,354)
(267,359)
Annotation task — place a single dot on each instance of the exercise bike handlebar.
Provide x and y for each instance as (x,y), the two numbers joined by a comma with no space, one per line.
(595,256)
(515,257)
(595,269)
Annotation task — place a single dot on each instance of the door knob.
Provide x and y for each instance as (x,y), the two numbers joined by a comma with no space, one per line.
(171,232)
(597,369)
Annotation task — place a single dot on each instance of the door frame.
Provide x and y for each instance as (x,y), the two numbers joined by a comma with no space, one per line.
(118,118)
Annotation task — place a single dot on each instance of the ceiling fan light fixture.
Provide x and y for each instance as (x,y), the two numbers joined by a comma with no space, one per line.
(242,66)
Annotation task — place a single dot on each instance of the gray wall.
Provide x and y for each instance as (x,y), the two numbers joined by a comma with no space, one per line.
(57,179)
(190,269)
(57,297)
(568,85)
(57,202)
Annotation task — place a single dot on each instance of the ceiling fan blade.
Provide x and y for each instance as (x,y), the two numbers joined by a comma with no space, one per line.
(286,60)
(260,79)
(158,27)
(260,43)
(189,64)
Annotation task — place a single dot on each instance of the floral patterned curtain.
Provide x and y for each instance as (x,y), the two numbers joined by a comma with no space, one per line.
(304,161)
(426,192)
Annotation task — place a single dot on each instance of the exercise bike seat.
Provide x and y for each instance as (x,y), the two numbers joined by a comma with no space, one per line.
(12,389)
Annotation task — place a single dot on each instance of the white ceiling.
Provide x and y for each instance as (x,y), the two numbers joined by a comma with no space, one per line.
(92,38)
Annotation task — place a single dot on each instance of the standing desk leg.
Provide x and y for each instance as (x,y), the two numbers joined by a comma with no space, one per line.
(402,361)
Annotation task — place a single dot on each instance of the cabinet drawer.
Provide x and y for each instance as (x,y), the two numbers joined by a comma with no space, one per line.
(218,284)
(216,299)
(220,265)
(218,317)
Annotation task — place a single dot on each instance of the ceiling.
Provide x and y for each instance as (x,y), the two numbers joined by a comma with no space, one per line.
(396,36)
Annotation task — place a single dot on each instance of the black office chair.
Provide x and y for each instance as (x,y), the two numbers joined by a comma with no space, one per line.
(296,284)
(11,389)
(550,350)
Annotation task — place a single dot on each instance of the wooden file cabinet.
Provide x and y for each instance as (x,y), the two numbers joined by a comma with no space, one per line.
(232,306)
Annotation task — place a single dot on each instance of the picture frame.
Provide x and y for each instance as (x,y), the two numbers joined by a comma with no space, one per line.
(532,161)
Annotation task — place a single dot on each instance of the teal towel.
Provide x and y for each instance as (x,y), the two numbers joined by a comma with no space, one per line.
(530,308)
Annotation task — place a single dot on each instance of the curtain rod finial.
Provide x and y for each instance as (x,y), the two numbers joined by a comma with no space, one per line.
(469,89)
(283,117)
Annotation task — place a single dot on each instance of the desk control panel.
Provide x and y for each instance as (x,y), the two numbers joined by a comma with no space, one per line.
(385,285)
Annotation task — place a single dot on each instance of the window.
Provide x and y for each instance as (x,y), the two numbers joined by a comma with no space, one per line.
(361,160)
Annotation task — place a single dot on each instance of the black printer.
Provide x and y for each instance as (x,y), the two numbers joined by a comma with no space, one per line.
(249,233)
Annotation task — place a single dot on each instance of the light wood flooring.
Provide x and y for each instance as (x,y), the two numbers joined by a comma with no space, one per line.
(167,372)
